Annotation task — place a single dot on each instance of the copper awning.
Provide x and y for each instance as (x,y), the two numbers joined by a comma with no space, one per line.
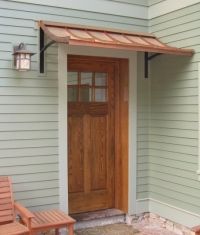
(105,38)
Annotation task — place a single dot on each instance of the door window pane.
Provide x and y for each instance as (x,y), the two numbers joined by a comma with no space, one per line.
(100,95)
(72,93)
(87,87)
(72,78)
(85,94)
(86,78)
(100,79)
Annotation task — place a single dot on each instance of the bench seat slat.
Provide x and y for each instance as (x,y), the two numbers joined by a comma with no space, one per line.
(6,201)
(50,219)
(5,207)
(4,179)
(6,219)
(13,229)
(5,213)
(4,184)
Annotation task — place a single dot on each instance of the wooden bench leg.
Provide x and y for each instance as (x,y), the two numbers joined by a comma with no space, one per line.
(70,229)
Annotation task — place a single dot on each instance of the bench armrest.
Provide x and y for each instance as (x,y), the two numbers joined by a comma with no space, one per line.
(24,212)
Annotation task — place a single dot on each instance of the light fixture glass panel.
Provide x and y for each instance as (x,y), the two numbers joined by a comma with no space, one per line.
(23,56)
(86,78)
(17,61)
(72,78)
(100,95)
(25,64)
(100,79)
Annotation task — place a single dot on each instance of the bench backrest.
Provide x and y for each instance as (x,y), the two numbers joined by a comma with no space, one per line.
(6,200)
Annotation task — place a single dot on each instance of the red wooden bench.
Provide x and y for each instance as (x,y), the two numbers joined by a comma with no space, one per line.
(8,223)
(35,222)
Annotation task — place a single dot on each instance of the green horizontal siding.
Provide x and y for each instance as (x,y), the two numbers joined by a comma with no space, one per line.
(37,12)
(153,2)
(177,16)
(135,2)
(29,102)
(173,144)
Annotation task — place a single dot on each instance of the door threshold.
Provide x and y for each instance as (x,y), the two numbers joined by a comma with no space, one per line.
(100,214)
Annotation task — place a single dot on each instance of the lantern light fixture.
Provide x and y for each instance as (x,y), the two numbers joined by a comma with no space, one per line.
(22,58)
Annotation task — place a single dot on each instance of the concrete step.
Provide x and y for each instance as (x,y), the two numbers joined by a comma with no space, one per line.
(99,218)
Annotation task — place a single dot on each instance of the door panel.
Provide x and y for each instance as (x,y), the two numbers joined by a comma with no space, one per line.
(91,133)
(99,151)
(76,170)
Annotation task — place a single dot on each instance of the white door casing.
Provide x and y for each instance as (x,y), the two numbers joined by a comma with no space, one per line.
(63,50)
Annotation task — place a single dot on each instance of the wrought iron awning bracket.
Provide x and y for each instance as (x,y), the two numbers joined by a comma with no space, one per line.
(147,58)
(43,48)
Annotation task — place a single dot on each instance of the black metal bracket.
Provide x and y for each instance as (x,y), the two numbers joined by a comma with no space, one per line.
(147,58)
(43,48)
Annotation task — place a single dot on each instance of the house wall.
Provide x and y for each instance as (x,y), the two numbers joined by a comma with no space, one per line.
(167,140)
(173,145)
(133,2)
(153,2)
(29,101)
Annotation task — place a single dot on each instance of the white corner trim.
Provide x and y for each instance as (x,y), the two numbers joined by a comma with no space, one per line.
(142,206)
(62,126)
(168,6)
(98,6)
(132,123)
(169,212)
(198,171)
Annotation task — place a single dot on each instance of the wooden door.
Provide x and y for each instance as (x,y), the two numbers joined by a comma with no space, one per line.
(91,134)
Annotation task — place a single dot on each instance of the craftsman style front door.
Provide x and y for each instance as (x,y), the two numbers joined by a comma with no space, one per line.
(91,134)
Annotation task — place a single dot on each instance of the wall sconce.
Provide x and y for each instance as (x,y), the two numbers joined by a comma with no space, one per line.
(22,58)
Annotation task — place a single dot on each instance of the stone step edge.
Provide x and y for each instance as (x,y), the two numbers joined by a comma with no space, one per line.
(100,221)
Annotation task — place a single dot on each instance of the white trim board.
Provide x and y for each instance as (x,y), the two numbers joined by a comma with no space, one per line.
(169,212)
(62,126)
(168,6)
(132,138)
(98,6)
(198,171)
(132,56)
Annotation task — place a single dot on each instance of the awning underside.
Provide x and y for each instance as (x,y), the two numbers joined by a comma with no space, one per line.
(104,38)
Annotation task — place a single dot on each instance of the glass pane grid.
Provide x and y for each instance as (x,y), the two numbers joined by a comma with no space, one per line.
(72,94)
(100,79)
(100,95)
(85,94)
(86,78)
(87,87)
(72,78)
